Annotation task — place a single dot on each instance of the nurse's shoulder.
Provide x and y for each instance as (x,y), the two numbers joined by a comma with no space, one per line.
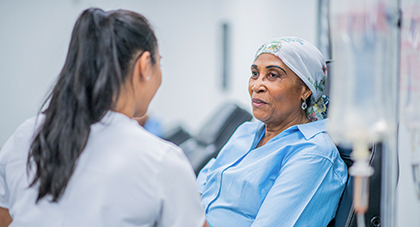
(136,142)
(21,138)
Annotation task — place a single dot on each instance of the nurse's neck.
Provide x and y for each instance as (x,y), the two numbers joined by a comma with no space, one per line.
(272,129)
(125,103)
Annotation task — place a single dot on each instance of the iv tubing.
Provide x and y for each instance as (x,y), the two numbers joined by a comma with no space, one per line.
(361,171)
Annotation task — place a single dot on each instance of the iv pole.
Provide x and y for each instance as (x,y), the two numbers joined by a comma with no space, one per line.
(390,145)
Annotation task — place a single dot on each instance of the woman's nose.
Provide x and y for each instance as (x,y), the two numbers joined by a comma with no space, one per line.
(258,86)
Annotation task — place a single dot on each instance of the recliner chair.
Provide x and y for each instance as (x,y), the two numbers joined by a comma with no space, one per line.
(212,137)
(345,215)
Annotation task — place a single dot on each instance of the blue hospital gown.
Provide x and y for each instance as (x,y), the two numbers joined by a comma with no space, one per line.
(295,179)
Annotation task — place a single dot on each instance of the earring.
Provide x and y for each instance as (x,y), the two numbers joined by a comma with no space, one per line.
(304,105)
(148,78)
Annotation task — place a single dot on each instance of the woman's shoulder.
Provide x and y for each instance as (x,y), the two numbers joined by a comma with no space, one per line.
(316,141)
(20,140)
(135,141)
(30,125)
(27,128)
(166,157)
(248,128)
(244,136)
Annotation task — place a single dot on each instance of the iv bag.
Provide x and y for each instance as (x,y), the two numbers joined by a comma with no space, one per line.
(410,81)
(410,65)
(363,92)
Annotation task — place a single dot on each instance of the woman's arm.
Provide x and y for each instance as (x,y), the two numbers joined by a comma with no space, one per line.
(206,224)
(306,192)
(5,218)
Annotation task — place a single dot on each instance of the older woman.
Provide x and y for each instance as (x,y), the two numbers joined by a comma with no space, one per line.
(283,170)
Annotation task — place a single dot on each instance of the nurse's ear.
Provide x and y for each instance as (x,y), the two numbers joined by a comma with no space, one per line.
(145,81)
(142,69)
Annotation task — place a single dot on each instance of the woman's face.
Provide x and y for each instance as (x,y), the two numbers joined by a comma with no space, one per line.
(275,90)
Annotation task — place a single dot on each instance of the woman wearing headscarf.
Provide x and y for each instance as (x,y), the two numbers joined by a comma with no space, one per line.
(84,161)
(283,170)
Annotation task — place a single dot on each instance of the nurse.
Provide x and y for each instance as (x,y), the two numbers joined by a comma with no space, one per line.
(84,161)
(283,170)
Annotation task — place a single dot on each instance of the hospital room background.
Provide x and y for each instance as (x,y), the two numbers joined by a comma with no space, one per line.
(207,48)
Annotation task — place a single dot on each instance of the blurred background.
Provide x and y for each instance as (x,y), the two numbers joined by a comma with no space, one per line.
(207,48)
(35,37)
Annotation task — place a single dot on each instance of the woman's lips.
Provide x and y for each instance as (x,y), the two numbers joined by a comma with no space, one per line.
(258,102)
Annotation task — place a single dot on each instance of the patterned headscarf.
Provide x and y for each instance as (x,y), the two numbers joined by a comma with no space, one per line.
(307,62)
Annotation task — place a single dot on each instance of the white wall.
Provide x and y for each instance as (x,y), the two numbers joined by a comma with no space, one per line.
(35,36)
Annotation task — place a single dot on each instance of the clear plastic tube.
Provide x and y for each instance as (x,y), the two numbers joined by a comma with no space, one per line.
(361,171)
(361,195)
(361,220)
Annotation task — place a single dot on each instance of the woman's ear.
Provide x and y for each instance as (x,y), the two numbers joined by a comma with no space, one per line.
(142,68)
(306,92)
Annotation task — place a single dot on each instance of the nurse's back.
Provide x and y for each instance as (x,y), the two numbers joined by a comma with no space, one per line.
(84,161)
(124,177)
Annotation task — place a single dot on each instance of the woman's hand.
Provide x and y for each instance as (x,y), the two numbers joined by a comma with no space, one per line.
(5,218)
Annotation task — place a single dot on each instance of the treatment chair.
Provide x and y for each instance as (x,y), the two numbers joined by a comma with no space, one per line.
(345,215)
(212,137)
(176,135)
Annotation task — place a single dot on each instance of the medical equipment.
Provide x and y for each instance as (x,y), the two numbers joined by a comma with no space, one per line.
(363,89)
(410,81)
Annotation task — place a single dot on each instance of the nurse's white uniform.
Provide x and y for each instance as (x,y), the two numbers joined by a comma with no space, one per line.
(125,177)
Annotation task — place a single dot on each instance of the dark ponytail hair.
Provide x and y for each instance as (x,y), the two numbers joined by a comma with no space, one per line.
(101,55)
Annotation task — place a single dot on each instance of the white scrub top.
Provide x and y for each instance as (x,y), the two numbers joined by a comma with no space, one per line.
(125,177)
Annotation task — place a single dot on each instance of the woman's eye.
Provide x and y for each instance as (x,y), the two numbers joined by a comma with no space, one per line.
(254,74)
(273,75)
